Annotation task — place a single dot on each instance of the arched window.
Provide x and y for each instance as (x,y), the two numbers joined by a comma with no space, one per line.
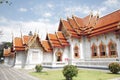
(76,52)
(59,56)
(94,50)
(102,48)
(112,49)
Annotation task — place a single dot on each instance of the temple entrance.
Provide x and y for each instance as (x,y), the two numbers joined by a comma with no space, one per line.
(59,56)
(76,52)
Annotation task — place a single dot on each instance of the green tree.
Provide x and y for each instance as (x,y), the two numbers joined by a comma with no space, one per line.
(38,68)
(114,67)
(70,71)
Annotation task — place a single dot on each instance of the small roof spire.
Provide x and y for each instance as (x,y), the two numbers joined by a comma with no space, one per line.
(12,36)
(97,15)
(68,18)
(21,33)
(30,33)
(91,13)
(61,19)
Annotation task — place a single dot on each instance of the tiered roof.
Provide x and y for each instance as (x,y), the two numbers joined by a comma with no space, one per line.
(26,38)
(107,23)
(63,41)
(90,25)
(46,46)
(18,44)
(21,43)
(56,40)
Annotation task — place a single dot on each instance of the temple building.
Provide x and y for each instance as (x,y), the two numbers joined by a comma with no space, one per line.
(91,41)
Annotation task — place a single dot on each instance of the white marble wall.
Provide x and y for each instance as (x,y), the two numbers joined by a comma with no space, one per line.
(6,60)
(11,61)
(97,40)
(20,59)
(35,56)
(47,57)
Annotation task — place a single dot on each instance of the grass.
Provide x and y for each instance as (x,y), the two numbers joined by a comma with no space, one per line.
(82,75)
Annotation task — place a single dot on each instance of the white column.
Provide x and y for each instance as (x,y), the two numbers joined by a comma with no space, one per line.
(71,57)
(54,59)
(82,49)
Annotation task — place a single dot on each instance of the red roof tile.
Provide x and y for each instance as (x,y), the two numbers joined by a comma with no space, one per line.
(26,39)
(54,40)
(46,46)
(18,42)
(62,39)
(6,52)
(70,30)
(109,19)
(79,21)
(74,25)
(90,24)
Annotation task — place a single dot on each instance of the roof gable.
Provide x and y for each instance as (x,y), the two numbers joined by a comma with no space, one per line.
(54,40)
(46,46)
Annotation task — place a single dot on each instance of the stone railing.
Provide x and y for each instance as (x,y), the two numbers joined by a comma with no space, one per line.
(60,63)
(54,64)
(100,64)
(47,63)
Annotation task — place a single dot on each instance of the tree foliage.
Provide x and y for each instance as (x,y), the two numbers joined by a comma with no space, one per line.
(38,68)
(114,67)
(70,71)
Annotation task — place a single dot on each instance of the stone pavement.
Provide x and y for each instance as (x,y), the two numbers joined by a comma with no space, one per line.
(8,73)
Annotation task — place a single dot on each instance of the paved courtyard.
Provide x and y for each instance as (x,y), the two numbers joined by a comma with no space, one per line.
(8,73)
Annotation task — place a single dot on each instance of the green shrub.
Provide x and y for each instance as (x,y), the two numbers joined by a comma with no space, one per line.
(114,67)
(38,68)
(70,71)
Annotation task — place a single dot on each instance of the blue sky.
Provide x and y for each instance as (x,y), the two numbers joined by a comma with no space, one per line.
(43,15)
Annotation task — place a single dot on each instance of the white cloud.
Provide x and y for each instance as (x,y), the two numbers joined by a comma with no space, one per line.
(77,9)
(23,10)
(46,11)
(42,26)
(3,19)
(111,2)
(50,5)
(47,14)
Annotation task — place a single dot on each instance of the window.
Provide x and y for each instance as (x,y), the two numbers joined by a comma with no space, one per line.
(94,50)
(102,49)
(112,49)
(59,56)
(76,52)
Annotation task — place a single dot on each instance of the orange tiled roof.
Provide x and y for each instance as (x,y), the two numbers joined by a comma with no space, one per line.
(6,52)
(109,19)
(26,39)
(74,25)
(18,44)
(90,25)
(46,46)
(54,40)
(22,43)
(107,23)
(62,39)
(70,30)
(79,21)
